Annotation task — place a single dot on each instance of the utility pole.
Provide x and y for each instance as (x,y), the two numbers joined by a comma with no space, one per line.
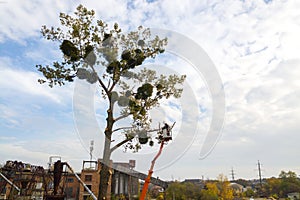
(259,173)
(232,174)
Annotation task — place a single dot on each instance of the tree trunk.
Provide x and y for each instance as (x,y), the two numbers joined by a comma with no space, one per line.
(105,168)
(105,172)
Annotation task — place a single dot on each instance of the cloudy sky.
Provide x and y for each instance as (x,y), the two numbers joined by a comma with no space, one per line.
(254,48)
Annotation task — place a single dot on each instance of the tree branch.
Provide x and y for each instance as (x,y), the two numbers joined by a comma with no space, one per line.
(129,138)
(153,130)
(100,81)
(122,117)
(120,144)
(121,128)
(112,86)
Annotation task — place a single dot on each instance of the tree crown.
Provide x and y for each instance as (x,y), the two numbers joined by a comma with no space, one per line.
(94,52)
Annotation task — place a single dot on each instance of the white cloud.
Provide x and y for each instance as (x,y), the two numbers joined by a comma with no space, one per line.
(24,19)
(16,152)
(14,80)
(38,151)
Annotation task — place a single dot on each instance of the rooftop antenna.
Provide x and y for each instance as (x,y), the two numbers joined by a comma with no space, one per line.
(91,152)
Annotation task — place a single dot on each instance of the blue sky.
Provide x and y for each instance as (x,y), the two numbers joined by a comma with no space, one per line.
(253,44)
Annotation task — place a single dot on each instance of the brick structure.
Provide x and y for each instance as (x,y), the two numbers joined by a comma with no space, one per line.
(90,175)
(34,181)
(72,187)
(121,182)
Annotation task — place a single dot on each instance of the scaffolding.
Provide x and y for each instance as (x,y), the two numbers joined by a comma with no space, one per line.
(22,181)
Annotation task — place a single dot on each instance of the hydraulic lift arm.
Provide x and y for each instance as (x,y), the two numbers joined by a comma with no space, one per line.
(147,180)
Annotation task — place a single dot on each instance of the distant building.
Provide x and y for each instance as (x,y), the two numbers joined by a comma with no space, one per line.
(21,179)
(25,181)
(121,182)
(237,188)
(90,175)
(294,195)
(72,187)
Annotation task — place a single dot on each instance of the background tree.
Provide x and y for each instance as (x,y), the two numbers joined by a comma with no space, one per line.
(183,191)
(217,190)
(160,196)
(289,183)
(103,55)
(175,190)
(192,191)
(210,191)
(272,187)
(225,191)
(249,193)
